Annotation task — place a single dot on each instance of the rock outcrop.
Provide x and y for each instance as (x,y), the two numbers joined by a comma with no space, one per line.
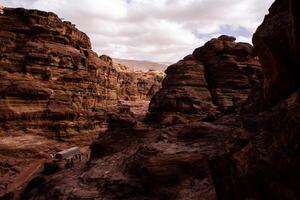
(50,77)
(279,51)
(215,78)
(135,85)
(52,83)
(267,166)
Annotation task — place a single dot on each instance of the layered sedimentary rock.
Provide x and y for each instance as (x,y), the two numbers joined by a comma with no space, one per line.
(253,154)
(135,85)
(215,78)
(50,77)
(133,160)
(52,83)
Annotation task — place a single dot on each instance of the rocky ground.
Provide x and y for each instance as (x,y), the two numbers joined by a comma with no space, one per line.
(17,153)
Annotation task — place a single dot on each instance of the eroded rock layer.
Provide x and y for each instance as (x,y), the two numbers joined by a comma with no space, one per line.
(52,83)
(215,78)
(135,85)
(251,154)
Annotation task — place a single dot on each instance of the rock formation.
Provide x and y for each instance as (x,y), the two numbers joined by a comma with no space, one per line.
(215,78)
(279,51)
(52,83)
(135,85)
(250,154)
(134,160)
(267,166)
(50,77)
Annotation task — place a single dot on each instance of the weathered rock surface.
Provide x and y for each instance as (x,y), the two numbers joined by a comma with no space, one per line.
(279,51)
(137,162)
(52,83)
(50,77)
(135,85)
(252,154)
(267,166)
(216,78)
(133,160)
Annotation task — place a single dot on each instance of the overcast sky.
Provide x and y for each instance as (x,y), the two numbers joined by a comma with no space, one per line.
(155,30)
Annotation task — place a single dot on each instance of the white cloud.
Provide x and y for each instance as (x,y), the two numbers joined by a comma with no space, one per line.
(158,30)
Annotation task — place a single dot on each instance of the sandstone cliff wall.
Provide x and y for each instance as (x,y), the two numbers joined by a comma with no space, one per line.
(135,85)
(52,83)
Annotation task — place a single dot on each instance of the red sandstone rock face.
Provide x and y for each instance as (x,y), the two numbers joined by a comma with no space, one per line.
(216,78)
(252,156)
(52,83)
(135,85)
(50,77)
(133,160)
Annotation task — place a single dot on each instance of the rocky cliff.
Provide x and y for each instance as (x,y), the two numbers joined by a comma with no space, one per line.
(134,160)
(215,78)
(52,83)
(135,85)
(279,51)
(268,165)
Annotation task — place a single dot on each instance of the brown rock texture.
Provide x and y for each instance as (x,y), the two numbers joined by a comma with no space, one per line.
(267,166)
(134,160)
(215,78)
(50,77)
(135,85)
(52,83)
(279,51)
(251,154)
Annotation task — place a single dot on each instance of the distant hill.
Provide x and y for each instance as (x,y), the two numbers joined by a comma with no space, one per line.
(143,65)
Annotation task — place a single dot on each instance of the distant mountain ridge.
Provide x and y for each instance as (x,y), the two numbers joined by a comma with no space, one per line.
(143,65)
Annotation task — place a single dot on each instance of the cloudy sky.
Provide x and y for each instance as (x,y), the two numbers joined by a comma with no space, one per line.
(155,30)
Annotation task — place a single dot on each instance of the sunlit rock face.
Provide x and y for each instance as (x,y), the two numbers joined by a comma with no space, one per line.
(135,85)
(216,78)
(52,83)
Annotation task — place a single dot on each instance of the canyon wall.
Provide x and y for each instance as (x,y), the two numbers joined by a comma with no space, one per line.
(136,160)
(135,85)
(249,151)
(279,51)
(52,83)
